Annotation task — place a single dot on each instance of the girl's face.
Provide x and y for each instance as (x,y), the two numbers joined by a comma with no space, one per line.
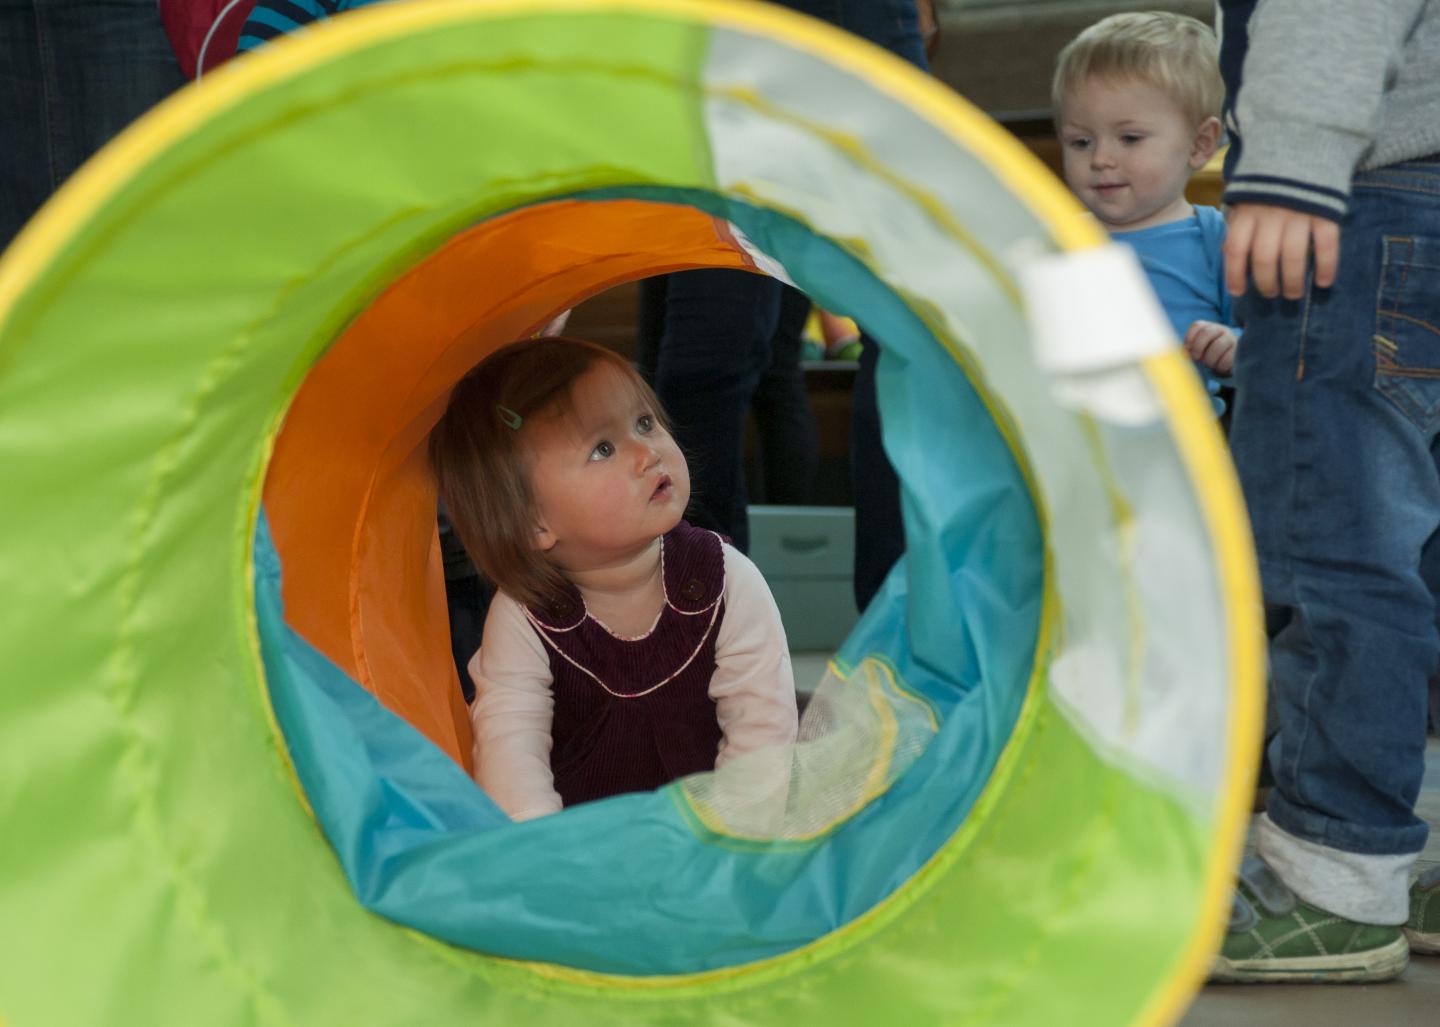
(1129,150)
(607,479)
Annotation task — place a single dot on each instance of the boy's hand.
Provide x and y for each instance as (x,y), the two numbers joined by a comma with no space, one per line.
(1276,242)
(1212,344)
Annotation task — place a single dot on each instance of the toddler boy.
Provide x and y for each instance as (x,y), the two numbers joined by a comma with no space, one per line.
(1136,100)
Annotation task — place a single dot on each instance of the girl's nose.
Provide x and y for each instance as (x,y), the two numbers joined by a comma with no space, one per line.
(646,455)
(1101,156)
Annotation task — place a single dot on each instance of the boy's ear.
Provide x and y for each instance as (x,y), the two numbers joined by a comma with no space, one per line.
(1207,141)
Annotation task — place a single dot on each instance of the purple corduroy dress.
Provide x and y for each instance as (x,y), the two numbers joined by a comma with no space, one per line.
(632,715)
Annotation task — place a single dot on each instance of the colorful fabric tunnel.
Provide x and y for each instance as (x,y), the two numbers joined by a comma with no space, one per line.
(234,785)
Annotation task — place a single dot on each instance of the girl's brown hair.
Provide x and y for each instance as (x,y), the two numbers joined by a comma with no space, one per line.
(480,454)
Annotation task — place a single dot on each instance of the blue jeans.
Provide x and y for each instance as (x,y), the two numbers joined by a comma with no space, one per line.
(892,24)
(789,444)
(879,523)
(73,73)
(1334,436)
(715,343)
(716,328)
(709,400)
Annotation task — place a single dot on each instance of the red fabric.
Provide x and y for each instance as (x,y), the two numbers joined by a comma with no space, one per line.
(208,26)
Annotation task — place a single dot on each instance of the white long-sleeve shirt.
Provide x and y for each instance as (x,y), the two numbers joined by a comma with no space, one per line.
(753,688)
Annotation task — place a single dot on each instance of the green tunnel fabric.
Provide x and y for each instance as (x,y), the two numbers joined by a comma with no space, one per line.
(157,318)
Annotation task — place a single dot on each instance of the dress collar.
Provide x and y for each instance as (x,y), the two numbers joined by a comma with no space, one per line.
(688,588)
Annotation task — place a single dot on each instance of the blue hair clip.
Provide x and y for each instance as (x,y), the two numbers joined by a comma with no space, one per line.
(511,418)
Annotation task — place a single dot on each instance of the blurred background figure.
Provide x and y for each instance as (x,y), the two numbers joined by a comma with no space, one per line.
(73,73)
(716,333)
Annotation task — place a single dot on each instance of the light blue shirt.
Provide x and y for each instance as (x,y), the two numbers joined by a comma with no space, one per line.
(1186,269)
(1183,262)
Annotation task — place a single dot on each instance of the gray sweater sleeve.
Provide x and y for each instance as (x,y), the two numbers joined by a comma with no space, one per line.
(1318,97)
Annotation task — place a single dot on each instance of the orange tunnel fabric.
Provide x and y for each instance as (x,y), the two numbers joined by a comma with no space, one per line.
(350,497)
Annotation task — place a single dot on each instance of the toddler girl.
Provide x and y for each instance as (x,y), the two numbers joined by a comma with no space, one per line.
(624,648)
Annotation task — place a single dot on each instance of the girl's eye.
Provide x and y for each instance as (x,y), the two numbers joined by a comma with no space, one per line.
(1078,144)
(603,451)
(645,424)
(1131,139)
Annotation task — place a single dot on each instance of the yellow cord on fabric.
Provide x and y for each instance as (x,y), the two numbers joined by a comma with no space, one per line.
(1192,422)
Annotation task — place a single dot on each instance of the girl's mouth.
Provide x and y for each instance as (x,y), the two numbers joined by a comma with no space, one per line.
(663,489)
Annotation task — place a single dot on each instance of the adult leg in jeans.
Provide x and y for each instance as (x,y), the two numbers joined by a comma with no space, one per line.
(741,352)
(714,345)
(892,24)
(649,324)
(1430,568)
(879,529)
(73,73)
(719,496)
(784,422)
(1333,437)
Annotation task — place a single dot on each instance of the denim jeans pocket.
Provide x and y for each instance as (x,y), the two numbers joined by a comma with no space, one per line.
(1407,329)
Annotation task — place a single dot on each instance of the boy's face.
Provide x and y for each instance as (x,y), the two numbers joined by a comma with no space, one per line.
(1129,150)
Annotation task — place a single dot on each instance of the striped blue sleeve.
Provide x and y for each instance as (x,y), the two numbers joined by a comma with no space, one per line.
(272,18)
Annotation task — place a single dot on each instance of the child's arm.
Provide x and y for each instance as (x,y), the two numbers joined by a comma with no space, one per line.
(512,714)
(753,686)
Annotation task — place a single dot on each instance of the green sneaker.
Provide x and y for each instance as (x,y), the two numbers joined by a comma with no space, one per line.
(1423,928)
(1274,937)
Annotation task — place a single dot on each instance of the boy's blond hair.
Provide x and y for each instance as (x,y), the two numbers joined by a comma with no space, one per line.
(1172,52)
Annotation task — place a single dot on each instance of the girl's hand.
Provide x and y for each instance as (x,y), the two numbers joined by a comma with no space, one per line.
(1212,344)
(1275,244)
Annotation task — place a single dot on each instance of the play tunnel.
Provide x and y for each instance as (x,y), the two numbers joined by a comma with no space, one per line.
(233,749)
